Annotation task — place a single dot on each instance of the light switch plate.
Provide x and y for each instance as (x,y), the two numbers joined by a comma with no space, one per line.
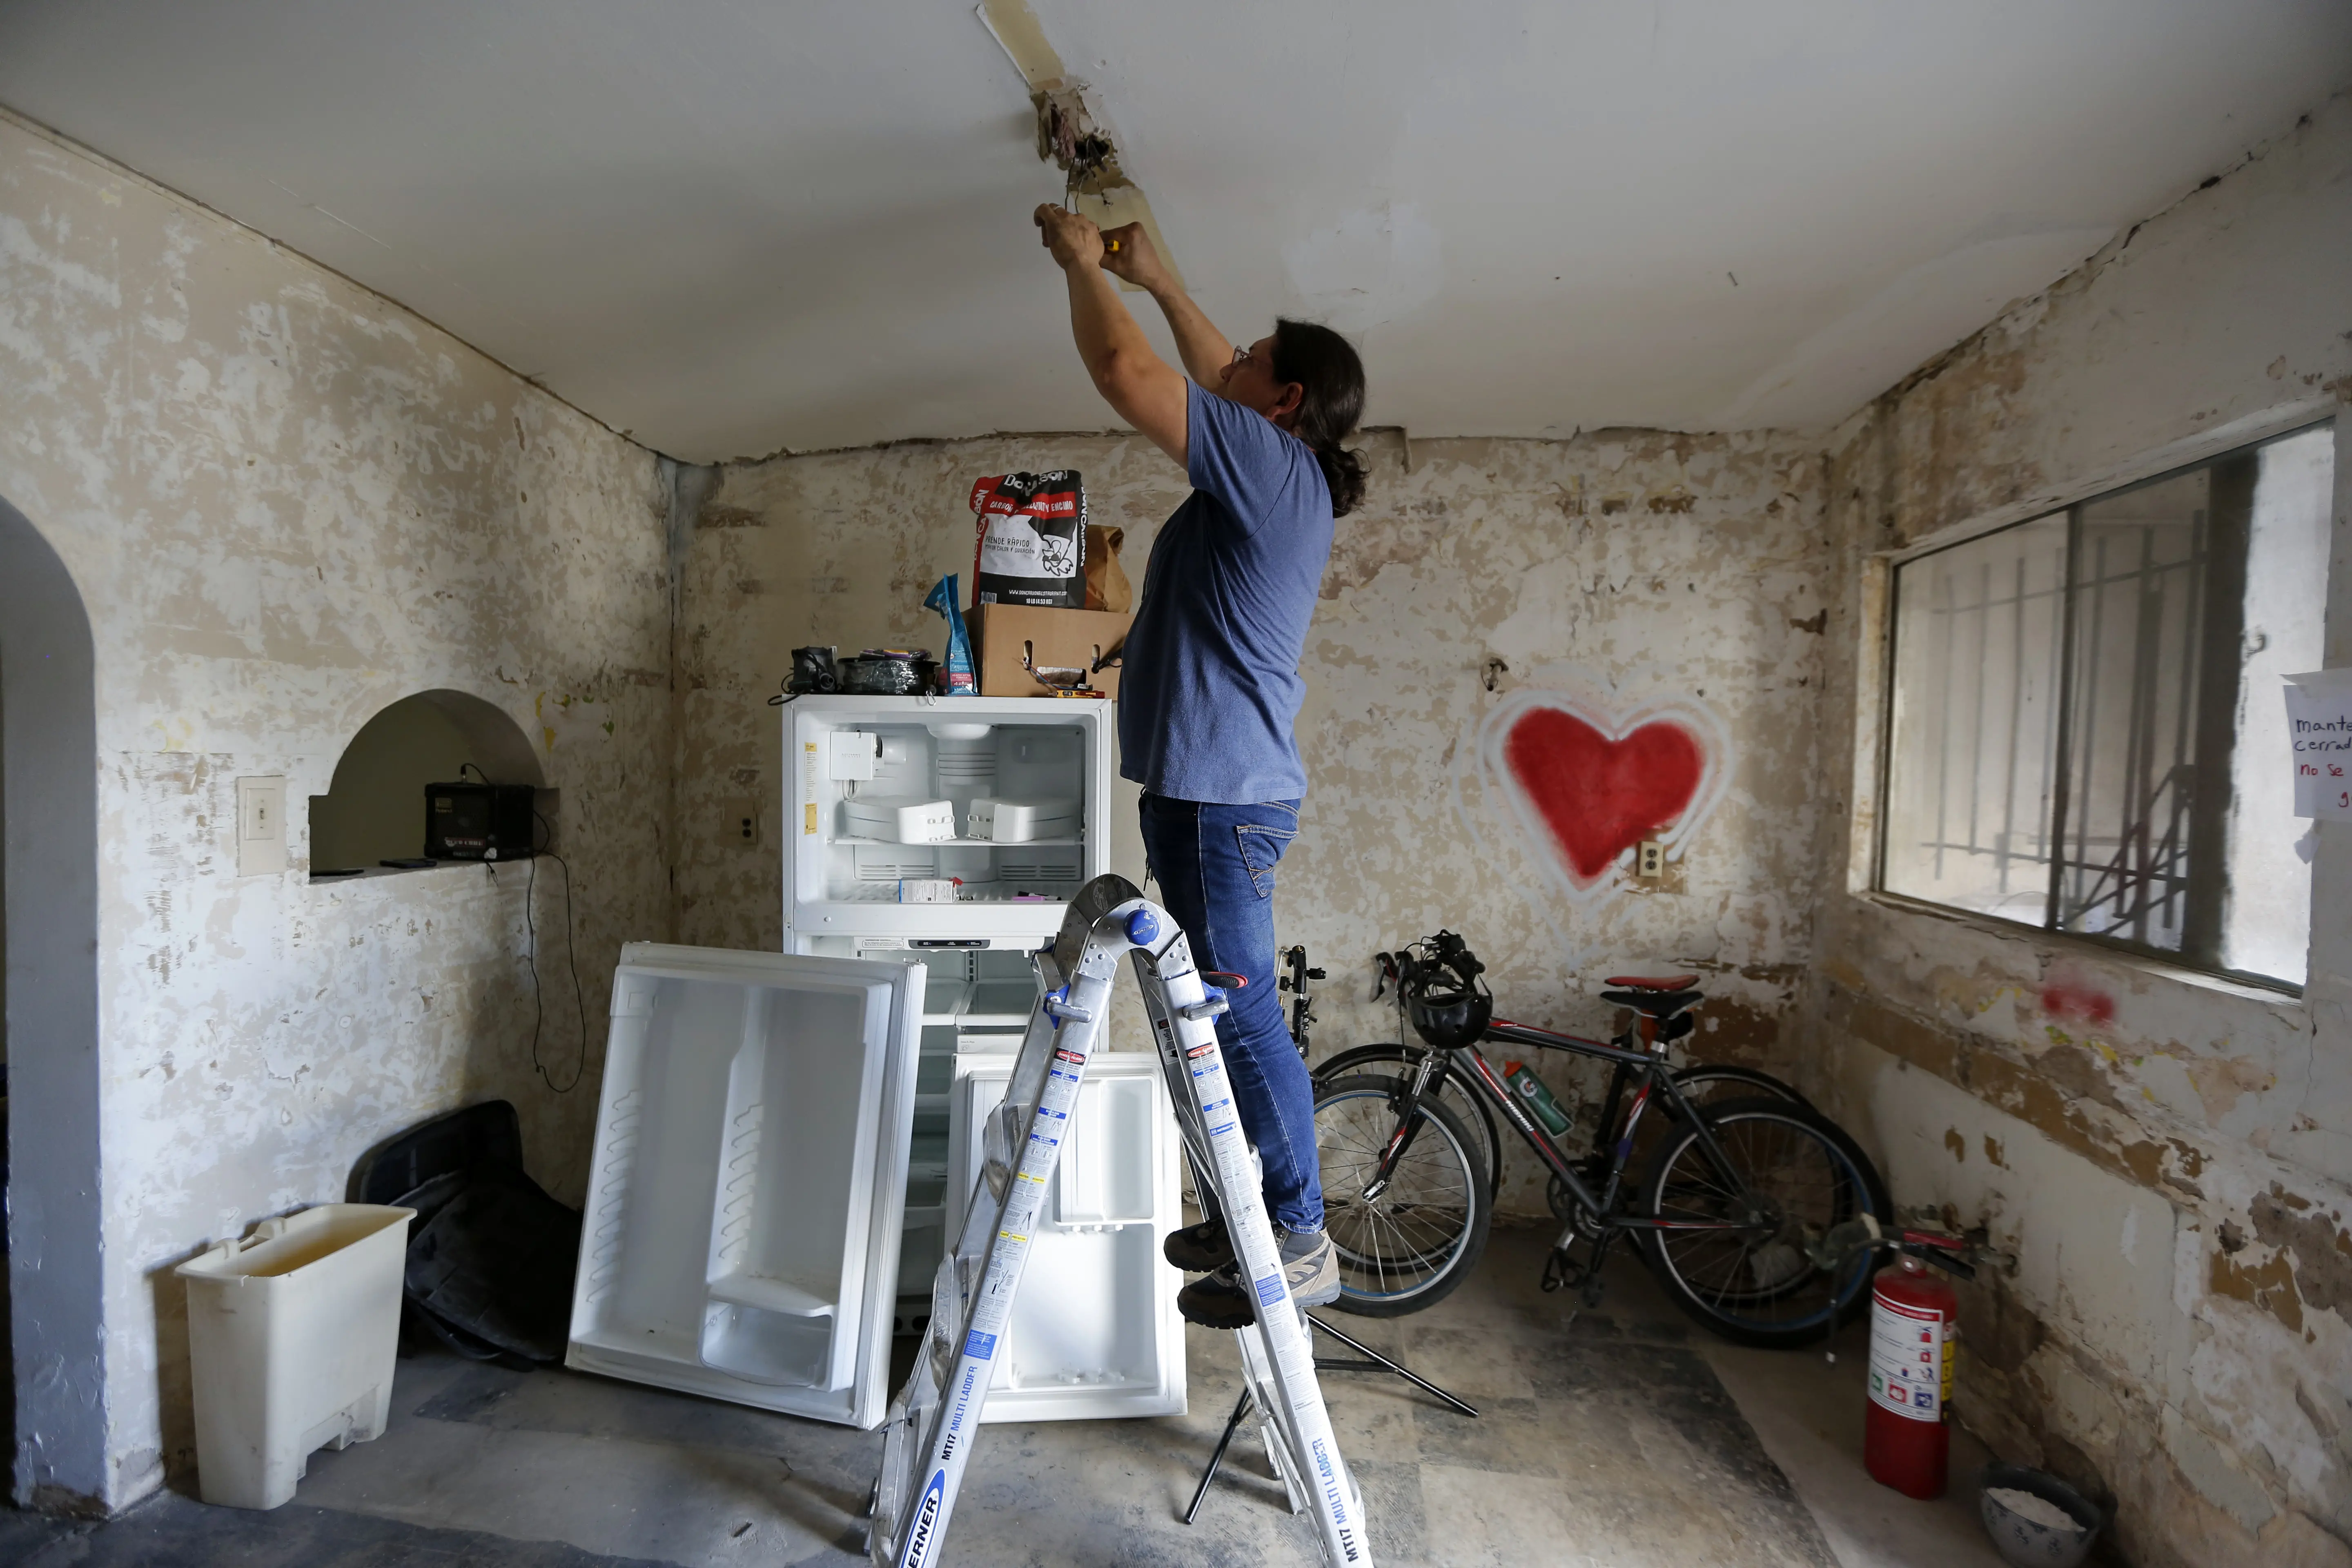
(260,826)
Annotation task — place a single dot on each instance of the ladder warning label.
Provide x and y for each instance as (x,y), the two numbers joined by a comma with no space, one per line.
(1269,1290)
(980,1346)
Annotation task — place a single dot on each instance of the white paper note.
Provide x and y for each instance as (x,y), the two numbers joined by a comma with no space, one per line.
(2319,727)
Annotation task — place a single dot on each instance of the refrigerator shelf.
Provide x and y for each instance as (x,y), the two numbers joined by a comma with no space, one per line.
(982,1004)
(1040,891)
(962,844)
(1032,922)
(769,1295)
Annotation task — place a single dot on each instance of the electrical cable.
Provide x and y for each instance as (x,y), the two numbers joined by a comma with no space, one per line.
(530,949)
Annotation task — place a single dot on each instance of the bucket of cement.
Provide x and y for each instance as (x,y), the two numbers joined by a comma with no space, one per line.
(2035,1519)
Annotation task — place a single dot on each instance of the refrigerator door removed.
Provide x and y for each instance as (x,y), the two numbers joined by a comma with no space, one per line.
(748,1178)
(1094,1332)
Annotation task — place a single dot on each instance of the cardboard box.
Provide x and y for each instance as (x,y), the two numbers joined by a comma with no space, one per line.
(1004,635)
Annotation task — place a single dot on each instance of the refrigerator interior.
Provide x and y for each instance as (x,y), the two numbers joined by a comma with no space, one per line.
(977,996)
(1104,1339)
(752,1131)
(912,750)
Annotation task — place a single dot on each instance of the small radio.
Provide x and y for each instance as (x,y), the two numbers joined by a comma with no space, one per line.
(479,821)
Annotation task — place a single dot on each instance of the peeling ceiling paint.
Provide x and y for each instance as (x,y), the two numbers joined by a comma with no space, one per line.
(731,230)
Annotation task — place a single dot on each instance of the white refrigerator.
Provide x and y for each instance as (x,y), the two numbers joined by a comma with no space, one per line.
(780,1146)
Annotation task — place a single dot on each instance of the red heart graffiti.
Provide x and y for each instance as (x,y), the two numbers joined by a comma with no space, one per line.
(1600,797)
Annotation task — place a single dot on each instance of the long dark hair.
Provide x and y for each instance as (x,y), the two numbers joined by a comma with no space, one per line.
(1331,378)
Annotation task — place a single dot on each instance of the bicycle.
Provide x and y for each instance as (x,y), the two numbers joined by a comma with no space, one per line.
(1730,1212)
(1703,1083)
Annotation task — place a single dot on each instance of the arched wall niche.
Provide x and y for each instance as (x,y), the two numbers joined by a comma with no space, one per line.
(374,809)
(49,864)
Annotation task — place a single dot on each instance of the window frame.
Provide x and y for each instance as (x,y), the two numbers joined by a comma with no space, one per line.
(2203,452)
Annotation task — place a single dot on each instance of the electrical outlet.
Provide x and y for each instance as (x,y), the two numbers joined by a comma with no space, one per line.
(1649,860)
(260,826)
(743,824)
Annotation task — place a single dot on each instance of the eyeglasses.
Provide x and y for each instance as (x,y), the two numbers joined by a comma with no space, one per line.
(1241,355)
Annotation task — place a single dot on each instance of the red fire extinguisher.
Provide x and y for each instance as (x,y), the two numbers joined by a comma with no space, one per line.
(1913,1326)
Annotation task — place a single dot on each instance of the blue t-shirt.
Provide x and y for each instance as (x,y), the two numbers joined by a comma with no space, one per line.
(1210,683)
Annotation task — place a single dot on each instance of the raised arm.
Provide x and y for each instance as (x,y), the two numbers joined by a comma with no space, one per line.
(1205,351)
(1144,389)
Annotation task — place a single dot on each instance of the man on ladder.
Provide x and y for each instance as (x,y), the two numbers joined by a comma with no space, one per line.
(1210,685)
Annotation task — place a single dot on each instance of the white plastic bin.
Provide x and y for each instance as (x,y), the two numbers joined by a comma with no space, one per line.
(292,1336)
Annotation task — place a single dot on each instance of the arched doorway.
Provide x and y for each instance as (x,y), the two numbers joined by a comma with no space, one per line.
(48,863)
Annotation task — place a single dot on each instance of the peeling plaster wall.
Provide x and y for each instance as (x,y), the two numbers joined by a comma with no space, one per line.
(1620,567)
(2169,1158)
(286,503)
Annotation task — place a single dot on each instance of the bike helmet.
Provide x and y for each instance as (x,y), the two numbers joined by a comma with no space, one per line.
(1445,1010)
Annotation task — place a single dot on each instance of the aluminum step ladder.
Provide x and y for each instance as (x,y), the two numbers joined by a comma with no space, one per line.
(934,1418)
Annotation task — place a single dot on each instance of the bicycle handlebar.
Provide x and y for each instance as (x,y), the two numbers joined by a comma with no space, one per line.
(1444,959)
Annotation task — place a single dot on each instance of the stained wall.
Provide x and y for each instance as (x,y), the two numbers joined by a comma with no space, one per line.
(2169,1158)
(286,504)
(1618,569)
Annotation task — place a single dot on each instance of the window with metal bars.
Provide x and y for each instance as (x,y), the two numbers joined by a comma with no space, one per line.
(2087,725)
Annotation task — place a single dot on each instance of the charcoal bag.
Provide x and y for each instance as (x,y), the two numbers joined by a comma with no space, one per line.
(1031,539)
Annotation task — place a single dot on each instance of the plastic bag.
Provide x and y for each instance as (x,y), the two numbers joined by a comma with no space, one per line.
(957,678)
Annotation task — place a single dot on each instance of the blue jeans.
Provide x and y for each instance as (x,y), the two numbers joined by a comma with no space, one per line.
(1214,865)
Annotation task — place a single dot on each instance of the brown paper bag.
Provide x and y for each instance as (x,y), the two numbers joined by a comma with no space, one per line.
(1107,586)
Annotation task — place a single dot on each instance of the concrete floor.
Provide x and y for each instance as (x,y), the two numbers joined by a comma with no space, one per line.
(1623,1437)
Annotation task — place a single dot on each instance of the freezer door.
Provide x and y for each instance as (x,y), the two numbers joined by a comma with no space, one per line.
(1094,1330)
(749,1179)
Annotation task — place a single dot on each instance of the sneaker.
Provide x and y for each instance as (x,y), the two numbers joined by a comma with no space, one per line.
(1221,1302)
(1200,1248)
(1314,1274)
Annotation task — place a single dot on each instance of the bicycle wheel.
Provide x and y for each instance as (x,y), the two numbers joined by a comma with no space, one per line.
(1702,1086)
(1711,1084)
(1391,1060)
(1801,1175)
(1413,1244)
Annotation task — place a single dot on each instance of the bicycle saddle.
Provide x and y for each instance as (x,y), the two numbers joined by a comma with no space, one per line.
(1661,983)
(1659,1005)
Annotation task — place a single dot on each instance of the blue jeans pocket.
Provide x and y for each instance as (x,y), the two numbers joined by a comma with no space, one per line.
(1261,847)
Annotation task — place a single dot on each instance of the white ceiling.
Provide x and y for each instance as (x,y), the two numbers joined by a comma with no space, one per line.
(731,227)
